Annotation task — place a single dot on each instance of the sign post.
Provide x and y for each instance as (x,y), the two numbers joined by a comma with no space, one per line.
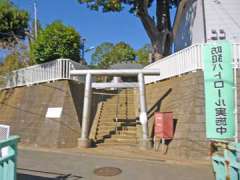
(219,90)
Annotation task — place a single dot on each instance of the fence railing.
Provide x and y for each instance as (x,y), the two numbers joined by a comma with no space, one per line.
(226,164)
(46,72)
(184,61)
(8,163)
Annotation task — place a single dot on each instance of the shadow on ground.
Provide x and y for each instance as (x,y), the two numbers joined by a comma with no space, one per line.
(34,177)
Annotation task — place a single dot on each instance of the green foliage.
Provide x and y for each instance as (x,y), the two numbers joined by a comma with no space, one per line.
(106,6)
(157,27)
(118,5)
(109,54)
(13,23)
(11,62)
(101,51)
(56,41)
(143,54)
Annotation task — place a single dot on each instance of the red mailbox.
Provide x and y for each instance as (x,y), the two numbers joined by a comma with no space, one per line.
(163,125)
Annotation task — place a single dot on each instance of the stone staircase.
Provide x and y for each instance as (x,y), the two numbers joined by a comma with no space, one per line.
(108,131)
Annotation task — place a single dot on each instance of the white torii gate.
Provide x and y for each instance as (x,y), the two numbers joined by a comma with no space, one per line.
(84,140)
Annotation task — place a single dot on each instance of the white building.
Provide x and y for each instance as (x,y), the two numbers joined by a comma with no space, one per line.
(200,21)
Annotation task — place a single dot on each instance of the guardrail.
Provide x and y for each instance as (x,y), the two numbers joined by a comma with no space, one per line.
(46,72)
(226,164)
(184,61)
(8,163)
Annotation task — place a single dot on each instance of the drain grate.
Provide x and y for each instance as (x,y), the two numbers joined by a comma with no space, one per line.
(107,171)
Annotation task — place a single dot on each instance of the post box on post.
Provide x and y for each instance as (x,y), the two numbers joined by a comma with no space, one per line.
(163,128)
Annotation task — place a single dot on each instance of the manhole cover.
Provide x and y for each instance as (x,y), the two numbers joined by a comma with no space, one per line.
(107,171)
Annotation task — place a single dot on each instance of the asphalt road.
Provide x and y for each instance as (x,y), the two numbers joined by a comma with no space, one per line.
(39,165)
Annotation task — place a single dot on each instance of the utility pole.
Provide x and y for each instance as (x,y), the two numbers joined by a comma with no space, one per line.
(83,41)
(35,18)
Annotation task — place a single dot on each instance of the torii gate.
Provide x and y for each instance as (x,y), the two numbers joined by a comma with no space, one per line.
(84,140)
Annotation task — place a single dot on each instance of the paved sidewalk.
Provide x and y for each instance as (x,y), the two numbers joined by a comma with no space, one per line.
(43,165)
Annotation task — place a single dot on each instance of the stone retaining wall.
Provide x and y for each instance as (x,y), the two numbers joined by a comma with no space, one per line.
(24,109)
(184,96)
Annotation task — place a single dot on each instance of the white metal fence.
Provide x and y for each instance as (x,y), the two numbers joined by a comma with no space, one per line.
(184,61)
(46,72)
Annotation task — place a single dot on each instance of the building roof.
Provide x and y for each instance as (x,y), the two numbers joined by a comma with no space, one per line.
(126,65)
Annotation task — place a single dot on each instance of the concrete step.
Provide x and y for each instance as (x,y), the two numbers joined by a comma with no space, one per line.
(123,107)
(106,126)
(110,119)
(130,115)
(126,122)
(120,141)
(121,126)
(127,133)
(119,114)
(120,109)
(119,120)
(128,128)
(107,137)
(120,103)
(107,119)
(105,130)
(103,135)
(113,132)
(102,122)
(102,144)
(121,135)
(118,124)
(124,97)
(121,130)
(121,95)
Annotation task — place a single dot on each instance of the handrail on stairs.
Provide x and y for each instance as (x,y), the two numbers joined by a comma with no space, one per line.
(116,115)
(8,162)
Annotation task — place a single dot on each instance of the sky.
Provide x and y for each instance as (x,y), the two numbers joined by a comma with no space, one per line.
(95,27)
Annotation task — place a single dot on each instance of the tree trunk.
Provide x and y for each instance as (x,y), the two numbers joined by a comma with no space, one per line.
(156,50)
(159,32)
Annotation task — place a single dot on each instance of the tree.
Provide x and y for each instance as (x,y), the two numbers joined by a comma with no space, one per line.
(158,28)
(13,23)
(12,61)
(143,54)
(101,51)
(56,41)
(120,52)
